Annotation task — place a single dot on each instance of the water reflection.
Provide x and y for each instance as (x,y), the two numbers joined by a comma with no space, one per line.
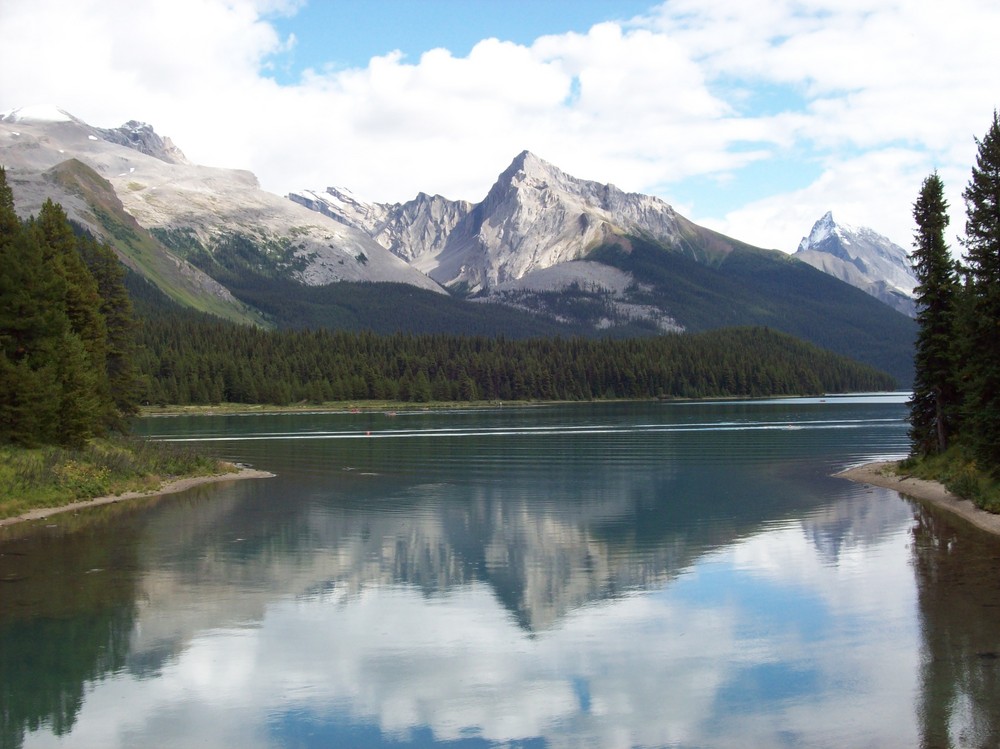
(959,611)
(67,611)
(556,591)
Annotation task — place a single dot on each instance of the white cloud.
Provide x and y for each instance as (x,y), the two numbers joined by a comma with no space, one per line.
(901,87)
(875,189)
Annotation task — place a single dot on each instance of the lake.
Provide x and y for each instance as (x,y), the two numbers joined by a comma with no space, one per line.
(598,575)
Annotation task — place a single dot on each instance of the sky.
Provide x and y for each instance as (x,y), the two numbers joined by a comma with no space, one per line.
(753,119)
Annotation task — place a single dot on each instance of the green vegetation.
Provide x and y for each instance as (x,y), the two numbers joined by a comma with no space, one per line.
(66,369)
(375,307)
(959,473)
(83,343)
(51,476)
(188,359)
(934,408)
(65,332)
(142,249)
(705,281)
(750,286)
(955,409)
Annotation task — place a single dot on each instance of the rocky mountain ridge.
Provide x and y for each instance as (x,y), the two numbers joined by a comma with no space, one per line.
(200,207)
(534,217)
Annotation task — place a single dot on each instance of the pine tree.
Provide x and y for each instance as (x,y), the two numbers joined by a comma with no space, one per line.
(82,300)
(982,243)
(935,402)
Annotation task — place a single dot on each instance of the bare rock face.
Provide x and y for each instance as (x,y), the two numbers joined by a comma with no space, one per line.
(142,137)
(411,230)
(862,258)
(535,216)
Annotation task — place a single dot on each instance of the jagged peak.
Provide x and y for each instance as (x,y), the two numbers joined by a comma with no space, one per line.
(529,164)
(136,126)
(141,137)
(822,230)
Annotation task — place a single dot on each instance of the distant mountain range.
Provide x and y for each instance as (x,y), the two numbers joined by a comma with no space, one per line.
(543,253)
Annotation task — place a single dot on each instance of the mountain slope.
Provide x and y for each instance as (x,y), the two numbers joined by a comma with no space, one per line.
(864,259)
(141,252)
(206,206)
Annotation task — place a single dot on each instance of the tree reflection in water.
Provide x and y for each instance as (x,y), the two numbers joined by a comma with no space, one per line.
(68,610)
(959,704)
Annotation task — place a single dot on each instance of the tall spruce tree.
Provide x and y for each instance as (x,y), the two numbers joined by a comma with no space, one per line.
(982,323)
(934,407)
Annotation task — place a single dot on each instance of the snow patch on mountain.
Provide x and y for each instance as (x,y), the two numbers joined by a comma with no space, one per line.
(37,113)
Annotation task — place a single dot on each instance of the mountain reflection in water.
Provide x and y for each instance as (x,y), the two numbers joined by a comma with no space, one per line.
(617,575)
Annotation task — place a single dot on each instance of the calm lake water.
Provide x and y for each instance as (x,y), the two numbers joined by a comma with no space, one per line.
(615,575)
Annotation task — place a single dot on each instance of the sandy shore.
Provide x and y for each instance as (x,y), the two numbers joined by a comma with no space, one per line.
(170,488)
(884,475)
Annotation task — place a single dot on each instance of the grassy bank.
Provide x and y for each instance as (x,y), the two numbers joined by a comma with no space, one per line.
(959,474)
(53,476)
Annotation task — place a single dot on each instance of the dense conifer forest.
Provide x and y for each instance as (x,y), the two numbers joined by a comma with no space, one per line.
(184,360)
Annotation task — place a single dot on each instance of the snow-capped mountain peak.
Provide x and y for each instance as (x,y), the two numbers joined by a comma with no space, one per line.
(825,228)
(863,258)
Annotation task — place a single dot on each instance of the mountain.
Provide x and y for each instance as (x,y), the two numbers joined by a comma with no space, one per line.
(201,218)
(864,259)
(413,231)
(534,217)
(593,256)
(544,253)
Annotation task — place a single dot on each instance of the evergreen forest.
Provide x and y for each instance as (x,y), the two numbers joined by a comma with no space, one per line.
(185,360)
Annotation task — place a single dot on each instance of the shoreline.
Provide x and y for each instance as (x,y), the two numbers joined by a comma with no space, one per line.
(380,406)
(171,487)
(882,474)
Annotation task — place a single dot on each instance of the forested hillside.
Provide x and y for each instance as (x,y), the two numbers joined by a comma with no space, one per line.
(185,358)
(750,286)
